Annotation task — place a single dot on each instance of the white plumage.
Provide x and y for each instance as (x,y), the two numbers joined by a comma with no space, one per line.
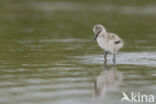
(109,42)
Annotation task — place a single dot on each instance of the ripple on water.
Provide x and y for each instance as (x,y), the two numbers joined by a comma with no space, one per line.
(70,6)
(69,40)
(131,58)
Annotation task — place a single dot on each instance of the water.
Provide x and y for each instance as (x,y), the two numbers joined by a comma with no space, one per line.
(48,55)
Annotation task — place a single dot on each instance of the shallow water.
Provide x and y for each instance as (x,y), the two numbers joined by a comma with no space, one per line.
(48,55)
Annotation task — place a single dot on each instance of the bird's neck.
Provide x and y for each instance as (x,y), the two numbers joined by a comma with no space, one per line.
(102,32)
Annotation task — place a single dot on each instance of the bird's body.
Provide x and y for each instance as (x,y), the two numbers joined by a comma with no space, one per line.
(109,42)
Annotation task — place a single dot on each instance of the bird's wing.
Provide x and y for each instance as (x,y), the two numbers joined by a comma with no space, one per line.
(111,36)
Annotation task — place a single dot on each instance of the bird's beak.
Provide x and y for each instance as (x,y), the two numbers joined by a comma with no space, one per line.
(95,36)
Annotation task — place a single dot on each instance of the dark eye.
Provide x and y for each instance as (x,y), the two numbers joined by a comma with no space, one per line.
(97,27)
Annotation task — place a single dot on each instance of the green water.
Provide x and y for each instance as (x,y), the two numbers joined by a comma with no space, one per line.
(48,56)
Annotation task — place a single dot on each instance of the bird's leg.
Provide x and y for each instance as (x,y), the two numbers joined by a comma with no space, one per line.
(105,57)
(114,58)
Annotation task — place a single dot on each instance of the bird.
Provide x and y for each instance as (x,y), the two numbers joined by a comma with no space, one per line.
(109,42)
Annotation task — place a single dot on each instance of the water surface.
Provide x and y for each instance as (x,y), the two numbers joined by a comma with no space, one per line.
(48,55)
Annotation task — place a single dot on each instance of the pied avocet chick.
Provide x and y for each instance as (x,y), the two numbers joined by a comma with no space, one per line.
(109,42)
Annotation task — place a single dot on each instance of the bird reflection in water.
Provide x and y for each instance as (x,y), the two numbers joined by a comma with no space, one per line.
(108,79)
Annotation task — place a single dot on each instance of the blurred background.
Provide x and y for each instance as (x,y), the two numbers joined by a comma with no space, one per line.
(48,56)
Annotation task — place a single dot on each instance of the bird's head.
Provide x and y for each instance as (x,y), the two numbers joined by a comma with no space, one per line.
(97,29)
